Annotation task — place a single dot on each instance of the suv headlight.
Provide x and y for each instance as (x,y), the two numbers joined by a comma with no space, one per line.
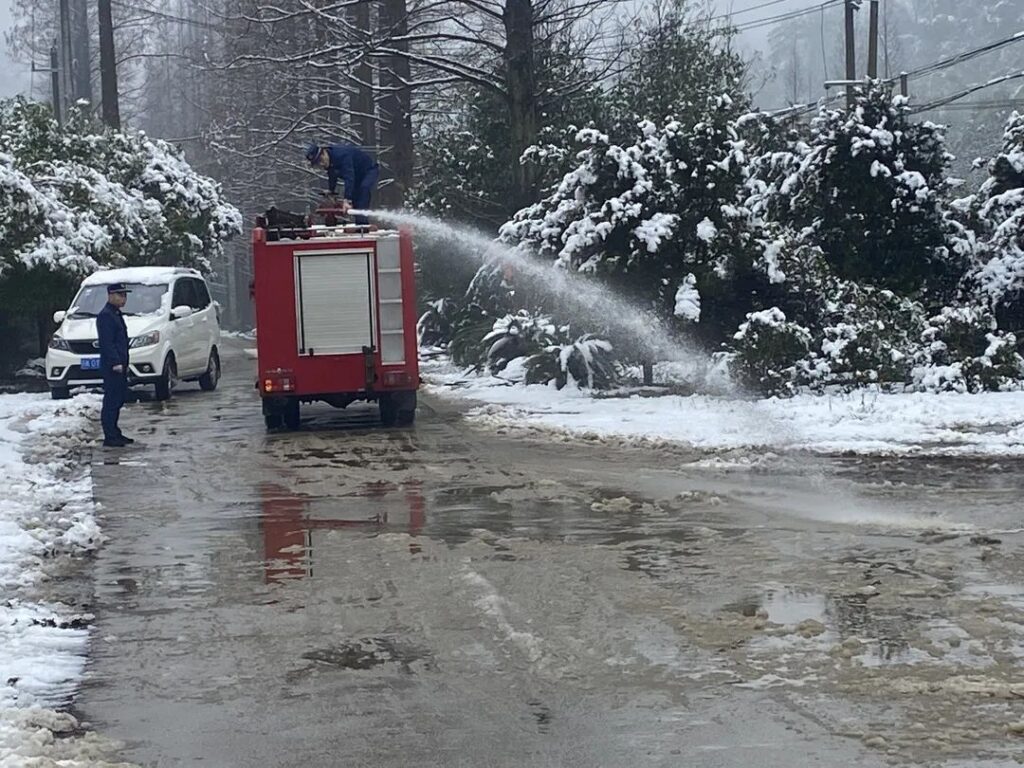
(59,342)
(146,340)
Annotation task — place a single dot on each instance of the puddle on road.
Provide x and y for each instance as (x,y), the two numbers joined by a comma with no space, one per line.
(1011,594)
(791,607)
(367,653)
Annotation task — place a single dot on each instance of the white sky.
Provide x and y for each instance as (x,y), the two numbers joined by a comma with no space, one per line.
(14,76)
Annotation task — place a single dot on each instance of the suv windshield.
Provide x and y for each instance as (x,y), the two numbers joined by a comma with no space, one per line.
(143,300)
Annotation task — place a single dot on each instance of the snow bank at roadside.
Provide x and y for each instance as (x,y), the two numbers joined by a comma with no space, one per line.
(46,517)
(249,335)
(947,424)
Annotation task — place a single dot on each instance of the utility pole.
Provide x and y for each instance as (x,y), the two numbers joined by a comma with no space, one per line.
(67,75)
(873,41)
(108,66)
(54,70)
(80,59)
(851,53)
(904,84)
(55,84)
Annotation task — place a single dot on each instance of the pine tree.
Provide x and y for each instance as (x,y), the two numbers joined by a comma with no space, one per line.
(870,192)
(997,277)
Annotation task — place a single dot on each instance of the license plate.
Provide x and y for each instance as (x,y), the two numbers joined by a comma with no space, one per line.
(90,363)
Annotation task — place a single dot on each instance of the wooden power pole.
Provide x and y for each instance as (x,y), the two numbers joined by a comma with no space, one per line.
(108,67)
(80,49)
(851,52)
(873,41)
(66,57)
(55,84)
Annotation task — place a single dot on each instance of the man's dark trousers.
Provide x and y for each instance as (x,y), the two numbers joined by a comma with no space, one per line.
(115,391)
(364,192)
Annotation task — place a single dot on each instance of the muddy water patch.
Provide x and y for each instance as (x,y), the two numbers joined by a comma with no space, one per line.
(367,653)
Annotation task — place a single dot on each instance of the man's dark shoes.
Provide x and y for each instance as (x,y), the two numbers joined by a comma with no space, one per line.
(126,440)
(114,442)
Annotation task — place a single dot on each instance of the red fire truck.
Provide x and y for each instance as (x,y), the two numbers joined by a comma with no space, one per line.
(335,318)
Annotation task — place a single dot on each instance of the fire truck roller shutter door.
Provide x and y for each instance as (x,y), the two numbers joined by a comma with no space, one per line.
(334,302)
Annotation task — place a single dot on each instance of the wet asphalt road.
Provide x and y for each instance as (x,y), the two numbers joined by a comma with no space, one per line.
(443,596)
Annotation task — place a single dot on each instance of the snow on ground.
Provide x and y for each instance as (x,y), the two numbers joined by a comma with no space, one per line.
(32,369)
(249,335)
(46,516)
(864,422)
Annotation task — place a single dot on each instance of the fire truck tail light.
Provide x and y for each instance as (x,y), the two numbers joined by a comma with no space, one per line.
(397,379)
(278,384)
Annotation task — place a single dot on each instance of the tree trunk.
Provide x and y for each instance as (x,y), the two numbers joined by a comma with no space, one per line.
(396,107)
(362,103)
(521,93)
(108,67)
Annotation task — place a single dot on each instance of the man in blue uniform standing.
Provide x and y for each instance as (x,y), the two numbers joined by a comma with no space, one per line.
(113,342)
(352,165)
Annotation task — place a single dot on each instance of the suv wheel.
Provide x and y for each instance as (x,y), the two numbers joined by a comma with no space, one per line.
(60,393)
(168,379)
(208,381)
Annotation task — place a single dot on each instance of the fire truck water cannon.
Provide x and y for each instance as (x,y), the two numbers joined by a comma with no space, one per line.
(336,313)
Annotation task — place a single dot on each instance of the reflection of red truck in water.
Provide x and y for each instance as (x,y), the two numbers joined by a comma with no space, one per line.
(295,527)
(336,319)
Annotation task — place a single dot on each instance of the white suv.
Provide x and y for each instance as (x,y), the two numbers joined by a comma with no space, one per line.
(173,328)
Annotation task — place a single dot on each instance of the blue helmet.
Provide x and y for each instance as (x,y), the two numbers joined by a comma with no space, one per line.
(312,153)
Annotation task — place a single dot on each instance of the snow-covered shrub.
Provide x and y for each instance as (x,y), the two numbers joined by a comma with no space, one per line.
(489,297)
(77,196)
(963,351)
(867,335)
(766,351)
(588,363)
(436,325)
(870,189)
(688,299)
(518,335)
(646,214)
(997,275)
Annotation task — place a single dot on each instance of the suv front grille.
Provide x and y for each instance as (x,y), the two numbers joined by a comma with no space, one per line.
(84,347)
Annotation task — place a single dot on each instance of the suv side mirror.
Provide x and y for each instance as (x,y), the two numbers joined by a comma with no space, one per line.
(181,312)
(58,317)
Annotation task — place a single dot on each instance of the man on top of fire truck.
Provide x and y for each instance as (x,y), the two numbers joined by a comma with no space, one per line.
(354,166)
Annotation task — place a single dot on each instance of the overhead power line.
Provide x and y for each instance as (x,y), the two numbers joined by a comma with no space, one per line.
(789,16)
(769,20)
(977,106)
(758,7)
(959,58)
(943,101)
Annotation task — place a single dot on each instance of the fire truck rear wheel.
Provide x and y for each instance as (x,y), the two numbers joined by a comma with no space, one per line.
(398,408)
(406,403)
(292,414)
